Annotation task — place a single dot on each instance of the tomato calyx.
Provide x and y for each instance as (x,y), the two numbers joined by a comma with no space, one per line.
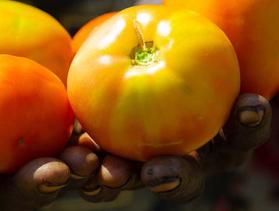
(145,53)
(145,56)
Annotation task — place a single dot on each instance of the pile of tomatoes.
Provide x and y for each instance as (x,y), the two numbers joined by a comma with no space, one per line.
(146,81)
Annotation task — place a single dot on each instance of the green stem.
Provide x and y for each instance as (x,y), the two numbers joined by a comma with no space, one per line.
(143,55)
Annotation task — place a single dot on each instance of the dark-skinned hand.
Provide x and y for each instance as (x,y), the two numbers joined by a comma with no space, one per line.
(101,177)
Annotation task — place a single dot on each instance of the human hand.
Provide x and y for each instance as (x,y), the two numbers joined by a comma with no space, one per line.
(247,128)
(181,179)
(103,177)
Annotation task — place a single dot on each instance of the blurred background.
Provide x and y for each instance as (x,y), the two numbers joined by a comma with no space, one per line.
(253,188)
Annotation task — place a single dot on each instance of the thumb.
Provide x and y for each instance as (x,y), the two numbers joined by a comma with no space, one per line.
(35,185)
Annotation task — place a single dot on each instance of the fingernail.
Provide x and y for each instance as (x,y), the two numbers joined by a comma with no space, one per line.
(92,192)
(165,187)
(76,177)
(50,189)
(251,117)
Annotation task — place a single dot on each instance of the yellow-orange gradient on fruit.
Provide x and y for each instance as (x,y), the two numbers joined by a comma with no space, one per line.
(253,28)
(35,114)
(29,32)
(153,81)
(85,30)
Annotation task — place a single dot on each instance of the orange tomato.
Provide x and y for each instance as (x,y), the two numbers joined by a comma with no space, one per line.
(35,114)
(252,26)
(29,32)
(153,81)
(85,30)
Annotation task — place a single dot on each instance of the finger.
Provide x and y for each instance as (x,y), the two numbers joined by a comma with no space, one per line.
(36,184)
(177,179)
(247,128)
(115,172)
(250,123)
(86,141)
(82,163)
(115,175)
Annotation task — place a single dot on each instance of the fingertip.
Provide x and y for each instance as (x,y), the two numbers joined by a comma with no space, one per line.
(161,172)
(82,161)
(115,172)
(173,178)
(43,175)
(54,174)
(252,109)
(249,125)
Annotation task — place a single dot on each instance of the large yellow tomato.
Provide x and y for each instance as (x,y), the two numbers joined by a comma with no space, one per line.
(152,81)
(252,26)
(29,32)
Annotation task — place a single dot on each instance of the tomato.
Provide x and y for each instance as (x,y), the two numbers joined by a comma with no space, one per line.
(153,81)
(35,114)
(29,32)
(252,26)
(85,30)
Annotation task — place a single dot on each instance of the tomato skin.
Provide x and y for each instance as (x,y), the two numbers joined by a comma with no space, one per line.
(170,107)
(85,30)
(29,32)
(35,115)
(251,27)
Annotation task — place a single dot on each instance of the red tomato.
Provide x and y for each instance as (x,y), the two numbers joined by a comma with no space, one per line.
(35,114)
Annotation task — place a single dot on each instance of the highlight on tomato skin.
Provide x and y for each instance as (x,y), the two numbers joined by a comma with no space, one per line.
(32,33)
(252,26)
(85,30)
(147,83)
(36,118)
